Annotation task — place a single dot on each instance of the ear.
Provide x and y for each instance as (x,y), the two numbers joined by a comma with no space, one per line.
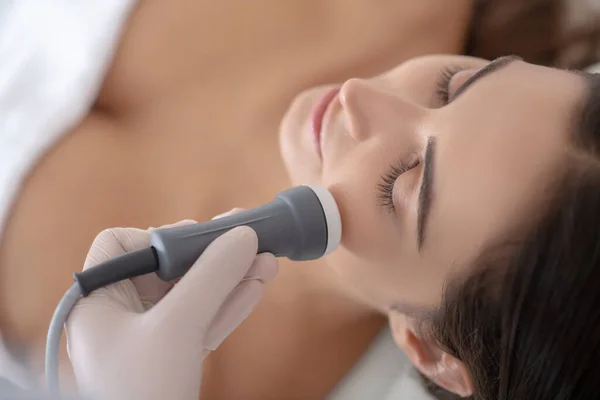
(427,356)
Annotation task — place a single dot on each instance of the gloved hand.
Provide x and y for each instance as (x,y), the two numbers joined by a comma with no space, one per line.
(128,342)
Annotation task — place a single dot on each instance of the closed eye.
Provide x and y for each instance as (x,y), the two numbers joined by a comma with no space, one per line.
(388,181)
(443,82)
(448,72)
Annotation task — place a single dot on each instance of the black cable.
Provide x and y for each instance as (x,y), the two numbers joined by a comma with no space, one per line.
(126,266)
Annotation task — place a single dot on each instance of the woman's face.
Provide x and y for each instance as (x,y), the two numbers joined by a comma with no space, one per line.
(422,183)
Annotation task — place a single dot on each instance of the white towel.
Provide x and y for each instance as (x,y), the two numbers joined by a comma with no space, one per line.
(383,373)
(53,58)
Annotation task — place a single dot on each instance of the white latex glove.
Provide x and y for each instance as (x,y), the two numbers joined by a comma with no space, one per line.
(128,342)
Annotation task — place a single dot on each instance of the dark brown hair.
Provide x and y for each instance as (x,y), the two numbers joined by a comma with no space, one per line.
(526,319)
(540,31)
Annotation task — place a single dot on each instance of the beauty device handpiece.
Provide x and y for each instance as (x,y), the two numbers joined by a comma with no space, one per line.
(301,223)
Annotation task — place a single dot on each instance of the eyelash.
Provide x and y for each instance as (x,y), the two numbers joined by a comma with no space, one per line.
(386,186)
(442,83)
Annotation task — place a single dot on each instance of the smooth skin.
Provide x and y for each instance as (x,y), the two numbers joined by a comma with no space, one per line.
(500,143)
(497,146)
(186,127)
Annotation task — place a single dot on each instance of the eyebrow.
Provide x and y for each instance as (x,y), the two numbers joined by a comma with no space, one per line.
(425,191)
(493,66)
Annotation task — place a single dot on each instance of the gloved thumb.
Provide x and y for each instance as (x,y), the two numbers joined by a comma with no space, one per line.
(228,271)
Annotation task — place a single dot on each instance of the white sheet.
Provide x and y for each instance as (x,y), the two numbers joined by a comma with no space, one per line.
(384,373)
(594,68)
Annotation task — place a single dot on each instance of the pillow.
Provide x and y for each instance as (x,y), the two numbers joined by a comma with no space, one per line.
(594,68)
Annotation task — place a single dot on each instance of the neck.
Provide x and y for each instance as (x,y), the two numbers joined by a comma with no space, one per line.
(315,288)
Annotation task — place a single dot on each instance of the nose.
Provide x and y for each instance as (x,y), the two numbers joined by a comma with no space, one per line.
(370,110)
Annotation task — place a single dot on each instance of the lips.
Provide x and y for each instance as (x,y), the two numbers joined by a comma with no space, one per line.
(318,114)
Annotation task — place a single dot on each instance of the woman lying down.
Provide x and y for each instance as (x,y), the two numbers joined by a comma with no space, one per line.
(469,192)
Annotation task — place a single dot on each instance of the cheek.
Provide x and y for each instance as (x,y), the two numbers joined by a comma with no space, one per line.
(376,258)
(367,231)
(369,239)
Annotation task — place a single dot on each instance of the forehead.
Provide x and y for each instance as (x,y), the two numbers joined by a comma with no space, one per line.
(500,146)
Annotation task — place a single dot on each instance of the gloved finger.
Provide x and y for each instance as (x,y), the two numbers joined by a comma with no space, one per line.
(97,315)
(149,286)
(240,303)
(265,271)
(264,268)
(96,321)
(128,295)
(204,288)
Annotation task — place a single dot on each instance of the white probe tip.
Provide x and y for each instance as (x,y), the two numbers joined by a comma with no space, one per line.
(332,217)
